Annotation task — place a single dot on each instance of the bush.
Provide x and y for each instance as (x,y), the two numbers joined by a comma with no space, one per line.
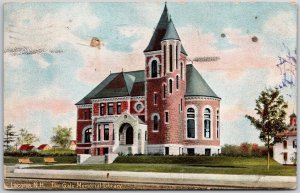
(245,150)
(37,154)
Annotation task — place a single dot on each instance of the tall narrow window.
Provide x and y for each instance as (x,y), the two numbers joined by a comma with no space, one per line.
(176,56)
(154,69)
(284,144)
(177,82)
(181,70)
(118,108)
(164,90)
(171,58)
(170,86)
(207,123)
(181,105)
(165,59)
(218,124)
(99,132)
(106,132)
(155,98)
(294,143)
(87,135)
(90,113)
(155,123)
(191,123)
(167,117)
(110,108)
(102,109)
(113,134)
(84,114)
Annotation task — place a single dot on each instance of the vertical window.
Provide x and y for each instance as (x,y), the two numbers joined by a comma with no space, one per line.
(170,86)
(87,135)
(106,132)
(118,108)
(284,144)
(155,98)
(99,132)
(176,56)
(90,113)
(154,69)
(165,59)
(164,90)
(146,135)
(218,124)
(207,123)
(181,105)
(84,114)
(177,82)
(113,134)
(167,117)
(285,155)
(155,123)
(171,58)
(102,109)
(191,123)
(110,108)
(294,143)
(181,70)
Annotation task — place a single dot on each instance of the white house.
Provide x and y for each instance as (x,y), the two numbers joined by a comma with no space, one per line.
(286,151)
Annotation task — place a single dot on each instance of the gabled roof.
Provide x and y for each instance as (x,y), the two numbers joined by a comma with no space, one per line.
(196,85)
(42,146)
(118,85)
(160,32)
(26,147)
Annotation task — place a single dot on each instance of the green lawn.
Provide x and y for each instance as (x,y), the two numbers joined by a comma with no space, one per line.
(189,164)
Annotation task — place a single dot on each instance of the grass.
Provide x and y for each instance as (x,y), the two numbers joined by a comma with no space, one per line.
(189,164)
(9,160)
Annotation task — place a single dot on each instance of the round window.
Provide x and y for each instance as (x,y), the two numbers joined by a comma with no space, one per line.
(139,106)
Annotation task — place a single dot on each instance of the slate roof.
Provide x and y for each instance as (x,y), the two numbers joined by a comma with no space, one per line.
(133,84)
(196,85)
(165,27)
(117,85)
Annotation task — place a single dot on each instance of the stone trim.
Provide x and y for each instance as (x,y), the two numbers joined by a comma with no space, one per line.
(203,98)
(85,106)
(111,99)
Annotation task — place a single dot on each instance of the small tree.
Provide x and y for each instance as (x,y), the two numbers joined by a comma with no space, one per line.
(9,137)
(270,108)
(25,137)
(62,136)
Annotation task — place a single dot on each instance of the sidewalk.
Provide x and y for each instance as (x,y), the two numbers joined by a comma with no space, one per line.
(239,181)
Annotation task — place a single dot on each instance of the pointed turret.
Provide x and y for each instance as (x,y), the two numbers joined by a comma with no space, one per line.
(171,32)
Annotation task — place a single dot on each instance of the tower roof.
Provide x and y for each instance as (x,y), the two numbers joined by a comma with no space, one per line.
(293,115)
(196,85)
(164,30)
(171,33)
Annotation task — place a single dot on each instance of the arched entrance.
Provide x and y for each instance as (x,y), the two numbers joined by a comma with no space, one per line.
(126,134)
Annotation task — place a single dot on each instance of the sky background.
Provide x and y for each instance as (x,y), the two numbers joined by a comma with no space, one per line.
(42,84)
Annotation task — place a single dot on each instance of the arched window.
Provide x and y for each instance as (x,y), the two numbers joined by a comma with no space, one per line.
(155,123)
(181,70)
(190,123)
(177,82)
(154,69)
(207,123)
(87,135)
(170,86)
(284,144)
(218,124)
(171,58)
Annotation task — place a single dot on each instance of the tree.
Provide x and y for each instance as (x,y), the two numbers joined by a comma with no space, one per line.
(62,136)
(9,137)
(25,137)
(270,109)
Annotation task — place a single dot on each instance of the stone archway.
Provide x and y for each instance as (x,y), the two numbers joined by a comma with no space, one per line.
(126,134)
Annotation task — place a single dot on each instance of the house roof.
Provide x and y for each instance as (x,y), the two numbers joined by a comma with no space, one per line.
(293,115)
(26,147)
(164,30)
(42,146)
(196,85)
(287,133)
(133,84)
(117,85)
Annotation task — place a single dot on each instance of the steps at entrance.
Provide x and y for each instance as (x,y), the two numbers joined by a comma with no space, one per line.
(95,160)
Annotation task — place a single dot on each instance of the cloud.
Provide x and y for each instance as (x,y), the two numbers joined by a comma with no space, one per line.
(99,63)
(282,24)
